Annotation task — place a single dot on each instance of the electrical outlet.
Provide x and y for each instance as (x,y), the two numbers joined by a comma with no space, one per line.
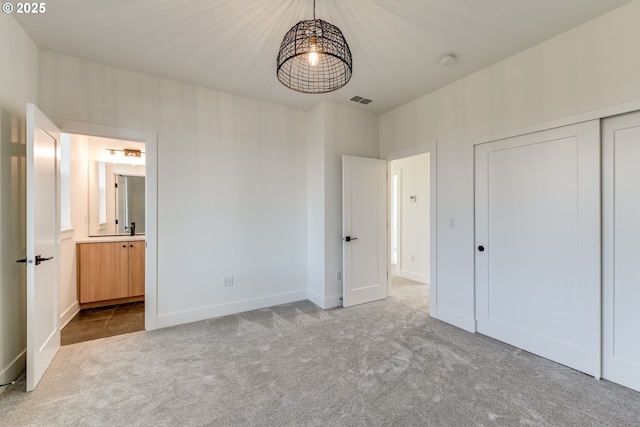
(228,281)
(339,275)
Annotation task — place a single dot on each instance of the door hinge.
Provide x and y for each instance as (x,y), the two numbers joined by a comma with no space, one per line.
(116,184)
(116,222)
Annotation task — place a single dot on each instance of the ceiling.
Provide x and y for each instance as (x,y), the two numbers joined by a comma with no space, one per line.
(231,45)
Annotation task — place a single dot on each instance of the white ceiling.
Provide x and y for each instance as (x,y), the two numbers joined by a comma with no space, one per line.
(231,45)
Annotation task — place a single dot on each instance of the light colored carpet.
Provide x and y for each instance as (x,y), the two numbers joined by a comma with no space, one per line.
(380,364)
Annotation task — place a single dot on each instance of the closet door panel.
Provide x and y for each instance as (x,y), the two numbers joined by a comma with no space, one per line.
(621,250)
(538,243)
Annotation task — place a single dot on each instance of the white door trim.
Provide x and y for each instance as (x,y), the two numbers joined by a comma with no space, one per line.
(601,113)
(431,148)
(151,167)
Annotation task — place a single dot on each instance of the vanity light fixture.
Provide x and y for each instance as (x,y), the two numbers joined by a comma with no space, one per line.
(131,156)
(314,57)
(128,152)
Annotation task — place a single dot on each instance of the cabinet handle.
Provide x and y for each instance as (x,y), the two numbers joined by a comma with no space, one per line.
(124,246)
(130,246)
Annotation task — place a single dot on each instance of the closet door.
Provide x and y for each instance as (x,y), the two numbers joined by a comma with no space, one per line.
(621,250)
(538,243)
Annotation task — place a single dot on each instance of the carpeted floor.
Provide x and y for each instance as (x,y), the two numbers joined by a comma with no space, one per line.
(379,364)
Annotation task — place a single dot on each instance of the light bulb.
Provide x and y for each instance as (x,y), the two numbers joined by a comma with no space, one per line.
(313,58)
(313,55)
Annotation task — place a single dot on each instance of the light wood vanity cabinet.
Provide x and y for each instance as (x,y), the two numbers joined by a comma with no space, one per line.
(110,272)
(136,269)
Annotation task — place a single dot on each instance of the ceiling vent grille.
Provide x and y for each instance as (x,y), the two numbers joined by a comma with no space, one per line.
(361,100)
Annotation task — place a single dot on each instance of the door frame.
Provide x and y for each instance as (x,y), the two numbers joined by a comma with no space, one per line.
(431,148)
(397,219)
(151,200)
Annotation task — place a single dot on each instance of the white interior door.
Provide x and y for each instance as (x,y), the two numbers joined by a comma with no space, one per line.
(538,243)
(43,225)
(621,250)
(364,222)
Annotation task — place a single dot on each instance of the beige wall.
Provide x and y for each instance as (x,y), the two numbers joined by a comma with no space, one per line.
(590,67)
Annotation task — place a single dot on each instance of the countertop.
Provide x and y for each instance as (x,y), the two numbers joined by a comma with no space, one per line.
(118,238)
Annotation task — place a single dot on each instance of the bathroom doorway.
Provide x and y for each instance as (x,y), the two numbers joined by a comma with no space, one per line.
(99,217)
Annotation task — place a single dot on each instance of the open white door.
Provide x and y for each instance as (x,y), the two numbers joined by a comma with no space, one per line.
(364,224)
(43,225)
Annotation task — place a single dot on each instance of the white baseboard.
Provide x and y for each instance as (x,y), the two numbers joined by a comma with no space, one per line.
(333,301)
(416,277)
(68,314)
(13,370)
(324,303)
(204,313)
(456,319)
(315,298)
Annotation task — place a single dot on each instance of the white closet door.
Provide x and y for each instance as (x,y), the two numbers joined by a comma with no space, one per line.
(621,250)
(538,243)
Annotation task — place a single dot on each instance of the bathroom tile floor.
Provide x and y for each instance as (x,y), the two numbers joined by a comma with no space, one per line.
(94,323)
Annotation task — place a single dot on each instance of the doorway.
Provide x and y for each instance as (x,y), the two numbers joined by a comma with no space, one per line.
(409,225)
(102,205)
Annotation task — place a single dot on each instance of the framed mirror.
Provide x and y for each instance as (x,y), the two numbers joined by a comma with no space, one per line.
(116,198)
(130,206)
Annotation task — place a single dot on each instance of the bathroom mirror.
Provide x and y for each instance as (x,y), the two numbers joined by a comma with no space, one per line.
(116,198)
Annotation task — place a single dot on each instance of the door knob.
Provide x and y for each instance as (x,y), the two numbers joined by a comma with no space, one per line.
(349,238)
(39,259)
(481,248)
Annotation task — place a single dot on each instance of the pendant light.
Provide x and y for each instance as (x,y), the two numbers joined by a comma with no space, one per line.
(314,57)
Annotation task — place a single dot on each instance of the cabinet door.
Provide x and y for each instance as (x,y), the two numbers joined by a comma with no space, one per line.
(136,268)
(103,271)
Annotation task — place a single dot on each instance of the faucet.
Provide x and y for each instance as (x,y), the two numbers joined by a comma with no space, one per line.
(133,228)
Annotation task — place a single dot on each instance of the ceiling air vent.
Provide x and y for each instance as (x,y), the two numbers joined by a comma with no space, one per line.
(361,100)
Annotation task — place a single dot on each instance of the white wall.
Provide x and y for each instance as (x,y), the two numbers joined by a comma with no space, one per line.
(68,305)
(316,205)
(414,216)
(346,131)
(18,85)
(232,183)
(590,67)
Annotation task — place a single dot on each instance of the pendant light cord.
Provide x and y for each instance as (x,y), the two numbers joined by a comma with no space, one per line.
(314,10)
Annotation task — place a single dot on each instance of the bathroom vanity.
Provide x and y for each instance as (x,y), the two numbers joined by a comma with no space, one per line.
(110,270)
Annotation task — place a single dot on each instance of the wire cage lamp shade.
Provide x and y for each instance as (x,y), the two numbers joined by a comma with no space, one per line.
(314,57)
